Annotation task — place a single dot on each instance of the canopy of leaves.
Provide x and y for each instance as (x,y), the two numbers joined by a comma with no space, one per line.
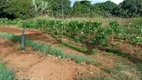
(40,6)
(16,9)
(56,7)
(61,8)
(107,6)
(86,9)
(81,8)
(129,8)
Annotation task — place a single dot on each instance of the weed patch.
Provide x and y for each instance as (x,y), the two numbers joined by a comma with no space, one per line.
(5,73)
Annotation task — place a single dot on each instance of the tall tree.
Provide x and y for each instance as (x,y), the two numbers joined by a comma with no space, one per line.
(107,6)
(129,8)
(81,8)
(59,7)
(41,6)
(16,9)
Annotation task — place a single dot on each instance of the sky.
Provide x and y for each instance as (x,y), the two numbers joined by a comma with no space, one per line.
(96,1)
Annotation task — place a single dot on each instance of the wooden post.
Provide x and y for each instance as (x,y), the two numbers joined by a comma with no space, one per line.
(23,38)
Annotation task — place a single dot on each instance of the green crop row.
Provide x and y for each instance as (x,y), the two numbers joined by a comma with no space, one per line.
(55,51)
(84,32)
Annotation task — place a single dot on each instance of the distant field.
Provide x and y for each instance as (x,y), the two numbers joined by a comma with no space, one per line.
(104,21)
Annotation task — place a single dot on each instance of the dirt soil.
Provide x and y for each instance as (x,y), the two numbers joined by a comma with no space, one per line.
(39,37)
(30,64)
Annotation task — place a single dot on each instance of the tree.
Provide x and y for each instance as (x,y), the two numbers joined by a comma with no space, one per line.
(57,6)
(107,6)
(81,8)
(41,6)
(97,11)
(129,8)
(16,9)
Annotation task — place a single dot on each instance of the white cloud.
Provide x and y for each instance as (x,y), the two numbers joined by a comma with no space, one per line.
(96,1)
(115,1)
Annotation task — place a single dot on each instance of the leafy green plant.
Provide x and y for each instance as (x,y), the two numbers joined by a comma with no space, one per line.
(84,32)
(101,37)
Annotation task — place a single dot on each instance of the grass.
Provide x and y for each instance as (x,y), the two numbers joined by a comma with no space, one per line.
(79,59)
(55,51)
(90,61)
(122,71)
(5,73)
(139,67)
(78,48)
(136,21)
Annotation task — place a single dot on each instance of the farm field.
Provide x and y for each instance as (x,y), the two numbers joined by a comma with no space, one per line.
(70,39)
(75,59)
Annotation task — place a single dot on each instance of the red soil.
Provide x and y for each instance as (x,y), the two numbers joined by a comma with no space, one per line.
(31,65)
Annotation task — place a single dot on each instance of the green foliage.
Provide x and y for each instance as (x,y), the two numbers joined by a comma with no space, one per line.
(79,59)
(84,32)
(78,31)
(81,8)
(107,6)
(61,8)
(5,73)
(137,21)
(139,67)
(78,48)
(16,9)
(55,51)
(85,9)
(137,40)
(101,37)
(56,8)
(129,8)
(90,61)
(41,6)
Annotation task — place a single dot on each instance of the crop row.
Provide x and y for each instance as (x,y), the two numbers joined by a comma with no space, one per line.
(84,32)
(55,51)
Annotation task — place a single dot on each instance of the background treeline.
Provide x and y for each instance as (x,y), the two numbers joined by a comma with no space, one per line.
(61,8)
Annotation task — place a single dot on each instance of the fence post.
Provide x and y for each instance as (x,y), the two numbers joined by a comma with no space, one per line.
(23,38)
